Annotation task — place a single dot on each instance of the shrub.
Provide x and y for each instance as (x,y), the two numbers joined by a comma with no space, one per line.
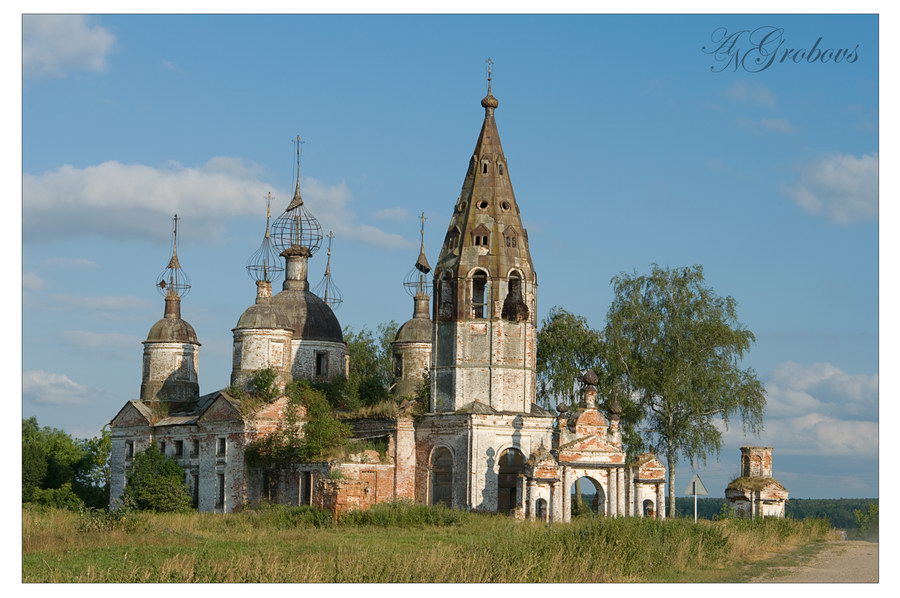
(61,498)
(156,483)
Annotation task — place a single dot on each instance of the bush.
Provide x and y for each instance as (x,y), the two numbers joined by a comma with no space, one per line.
(287,517)
(156,483)
(61,498)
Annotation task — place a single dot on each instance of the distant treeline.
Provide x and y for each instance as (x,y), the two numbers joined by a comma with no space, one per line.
(839,511)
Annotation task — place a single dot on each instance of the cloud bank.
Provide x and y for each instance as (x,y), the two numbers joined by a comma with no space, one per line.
(54,44)
(47,388)
(116,200)
(841,187)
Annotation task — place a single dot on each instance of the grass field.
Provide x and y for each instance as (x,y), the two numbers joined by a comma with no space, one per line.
(392,543)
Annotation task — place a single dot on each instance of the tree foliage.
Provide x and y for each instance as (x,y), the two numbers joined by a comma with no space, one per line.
(676,345)
(566,347)
(52,460)
(156,482)
(370,364)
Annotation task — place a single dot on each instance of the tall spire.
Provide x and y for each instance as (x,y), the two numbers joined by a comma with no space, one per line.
(297,231)
(297,199)
(416,281)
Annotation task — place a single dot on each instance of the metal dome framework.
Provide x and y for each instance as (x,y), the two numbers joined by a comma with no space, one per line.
(265,264)
(326,290)
(417,280)
(173,281)
(297,227)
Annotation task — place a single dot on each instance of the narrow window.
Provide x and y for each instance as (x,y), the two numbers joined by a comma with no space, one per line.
(179,448)
(195,490)
(306,488)
(220,495)
(321,364)
(129,449)
(220,447)
(162,446)
(514,308)
(479,291)
(195,448)
(484,168)
(500,168)
(398,365)
(445,305)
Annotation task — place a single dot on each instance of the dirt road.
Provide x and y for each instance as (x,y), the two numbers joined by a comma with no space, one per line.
(849,561)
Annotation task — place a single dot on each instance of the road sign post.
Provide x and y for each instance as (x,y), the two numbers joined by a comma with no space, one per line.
(695,487)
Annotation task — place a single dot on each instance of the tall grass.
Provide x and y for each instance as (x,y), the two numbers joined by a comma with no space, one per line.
(389,543)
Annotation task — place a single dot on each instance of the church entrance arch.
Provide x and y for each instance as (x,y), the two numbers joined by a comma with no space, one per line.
(442,477)
(512,463)
(587,497)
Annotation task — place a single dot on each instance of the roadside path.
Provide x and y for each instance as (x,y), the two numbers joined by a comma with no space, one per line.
(848,561)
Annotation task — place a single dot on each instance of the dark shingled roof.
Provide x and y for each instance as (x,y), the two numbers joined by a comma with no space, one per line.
(415,330)
(308,316)
(263,315)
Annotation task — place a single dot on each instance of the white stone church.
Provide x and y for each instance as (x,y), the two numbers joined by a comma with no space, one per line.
(483,444)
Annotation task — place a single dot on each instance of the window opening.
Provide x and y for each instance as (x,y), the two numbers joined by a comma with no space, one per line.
(442,477)
(195,448)
(479,294)
(129,449)
(220,495)
(220,447)
(179,448)
(512,463)
(321,364)
(398,366)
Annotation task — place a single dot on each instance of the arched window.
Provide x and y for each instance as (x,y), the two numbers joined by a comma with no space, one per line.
(512,463)
(514,307)
(479,294)
(648,509)
(484,168)
(442,477)
(445,301)
(452,238)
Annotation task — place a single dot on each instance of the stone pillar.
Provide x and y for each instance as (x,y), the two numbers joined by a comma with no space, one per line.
(529,499)
(612,488)
(620,507)
(660,506)
(566,499)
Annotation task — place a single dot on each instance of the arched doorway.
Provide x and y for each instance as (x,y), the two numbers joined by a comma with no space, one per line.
(592,499)
(512,463)
(442,477)
(540,509)
(649,511)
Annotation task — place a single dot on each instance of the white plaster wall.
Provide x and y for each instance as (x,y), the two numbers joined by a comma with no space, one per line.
(161,360)
(260,348)
(304,361)
(416,362)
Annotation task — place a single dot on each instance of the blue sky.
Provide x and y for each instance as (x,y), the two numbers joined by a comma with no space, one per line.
(628,144)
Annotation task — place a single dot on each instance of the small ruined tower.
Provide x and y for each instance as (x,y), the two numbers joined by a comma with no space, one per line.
(756,493)
(317,345)
(411,349)
(485,289)
(171,351)
(262,337)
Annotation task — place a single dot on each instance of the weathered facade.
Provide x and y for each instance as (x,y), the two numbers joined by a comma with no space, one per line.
(484,443)
(756,493)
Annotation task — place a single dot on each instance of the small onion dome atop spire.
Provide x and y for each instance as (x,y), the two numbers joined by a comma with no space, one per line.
(297,231)
(590,378)
(489,101)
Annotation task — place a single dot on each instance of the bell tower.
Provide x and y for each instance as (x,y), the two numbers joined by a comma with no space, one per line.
(485,289)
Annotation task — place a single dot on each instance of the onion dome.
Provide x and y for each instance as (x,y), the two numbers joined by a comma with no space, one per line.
(173,283)
(489,101)
(590,378)
(308,316)
(263,314)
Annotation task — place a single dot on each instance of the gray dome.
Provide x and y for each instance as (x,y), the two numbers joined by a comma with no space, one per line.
(263,315)
(308,316)
(172,330)
(416,330)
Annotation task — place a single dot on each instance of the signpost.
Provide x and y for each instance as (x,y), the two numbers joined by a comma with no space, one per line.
(695,487)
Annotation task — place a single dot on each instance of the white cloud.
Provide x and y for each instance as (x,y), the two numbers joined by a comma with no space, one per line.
(843,187)
(128,200)
(777,125)
(818,410)
(752,92)
(47,388)
(53,44)
(107,340)
(169,65)
(33,282)
(396,214)
(103,302)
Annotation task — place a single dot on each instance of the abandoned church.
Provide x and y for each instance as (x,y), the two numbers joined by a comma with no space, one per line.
(482,443)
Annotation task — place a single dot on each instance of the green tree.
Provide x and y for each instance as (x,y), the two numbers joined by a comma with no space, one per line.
(91,479)
(370,362)
(155,482)
(566,346)
(677,344)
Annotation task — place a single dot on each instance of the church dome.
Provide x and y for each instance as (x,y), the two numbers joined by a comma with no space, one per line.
(308,316)
(263,315)
(172,330)
(416,330)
